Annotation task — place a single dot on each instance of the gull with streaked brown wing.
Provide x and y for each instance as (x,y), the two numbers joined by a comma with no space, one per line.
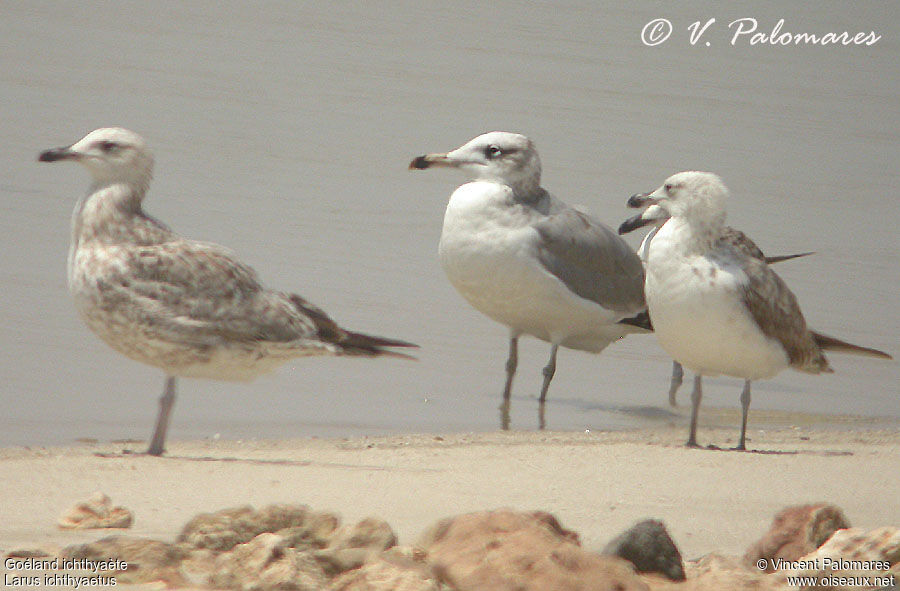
(189,308)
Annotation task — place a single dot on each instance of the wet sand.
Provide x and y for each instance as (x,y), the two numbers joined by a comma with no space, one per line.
(597,483)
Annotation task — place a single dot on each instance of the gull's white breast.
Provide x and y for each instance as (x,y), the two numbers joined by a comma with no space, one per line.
(698,312)
(488,250)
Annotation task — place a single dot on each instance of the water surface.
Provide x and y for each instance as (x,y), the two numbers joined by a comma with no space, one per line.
(284,129)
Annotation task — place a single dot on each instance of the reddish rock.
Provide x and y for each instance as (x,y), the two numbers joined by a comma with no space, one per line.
(505,550)
(795,532)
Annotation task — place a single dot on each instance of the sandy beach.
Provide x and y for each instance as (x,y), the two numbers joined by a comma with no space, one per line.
(597,484)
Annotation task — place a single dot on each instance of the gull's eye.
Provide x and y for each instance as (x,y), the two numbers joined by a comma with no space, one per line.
(108,146)
(492,152)
(668,187)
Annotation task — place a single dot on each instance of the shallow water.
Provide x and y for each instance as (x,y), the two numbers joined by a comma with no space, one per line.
(284,131)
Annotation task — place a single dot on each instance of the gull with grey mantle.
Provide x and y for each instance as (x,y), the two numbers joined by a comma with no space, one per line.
(190,308)
(715,308)
(529,261)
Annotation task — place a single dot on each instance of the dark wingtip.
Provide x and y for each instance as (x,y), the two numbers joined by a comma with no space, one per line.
(786,257)
(357,343)
(640,320)
(828,343)
(419,163)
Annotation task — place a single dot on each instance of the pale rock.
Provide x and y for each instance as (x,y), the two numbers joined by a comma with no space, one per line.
(198,567)
(371,533)
(354,545)
(147,560)
(224,529)
(96,512)
(389,573)
(267,563)
(314,533)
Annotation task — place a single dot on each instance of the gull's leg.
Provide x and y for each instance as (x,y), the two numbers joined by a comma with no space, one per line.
(166,401)
(677,377)
(512,362)
(548,372)
(696,396)
(745,409)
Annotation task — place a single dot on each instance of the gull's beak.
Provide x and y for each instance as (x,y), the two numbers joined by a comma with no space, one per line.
(633,223)
(429,160)
(641,200)
(652,215)
(55,154)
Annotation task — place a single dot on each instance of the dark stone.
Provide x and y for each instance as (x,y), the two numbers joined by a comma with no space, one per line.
(649,548)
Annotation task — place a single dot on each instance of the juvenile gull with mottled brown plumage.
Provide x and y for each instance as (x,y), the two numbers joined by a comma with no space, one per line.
(190,308)
(715,308)
(730,238)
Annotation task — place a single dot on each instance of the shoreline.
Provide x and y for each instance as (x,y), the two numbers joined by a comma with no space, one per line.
(639,418)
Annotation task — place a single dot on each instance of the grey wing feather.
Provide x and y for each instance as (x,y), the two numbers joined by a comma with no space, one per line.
(777,313)
(201,293)
(592,260)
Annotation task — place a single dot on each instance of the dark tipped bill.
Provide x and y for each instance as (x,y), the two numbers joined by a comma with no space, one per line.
(640,200)
(635,222)
(55,154)
(429,160)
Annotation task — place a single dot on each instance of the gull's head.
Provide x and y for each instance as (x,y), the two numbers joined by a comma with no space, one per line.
(498,156)
(111,155)
(695,196)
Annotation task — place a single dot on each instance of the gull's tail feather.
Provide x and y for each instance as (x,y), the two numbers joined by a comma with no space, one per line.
(786,257)
(828,343)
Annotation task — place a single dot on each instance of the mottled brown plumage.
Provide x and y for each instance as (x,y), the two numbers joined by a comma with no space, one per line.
(715,304)
(190,308)
(777,314)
